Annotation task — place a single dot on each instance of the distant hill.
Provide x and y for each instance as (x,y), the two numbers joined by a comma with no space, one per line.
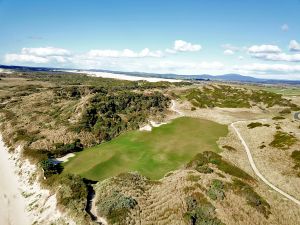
(225,77)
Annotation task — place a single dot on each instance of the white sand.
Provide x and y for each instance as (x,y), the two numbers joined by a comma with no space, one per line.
(124,77)
(5,71)
(156,124)
(12,203)
(151,124)
(146,128)
(34,204)
(65,158)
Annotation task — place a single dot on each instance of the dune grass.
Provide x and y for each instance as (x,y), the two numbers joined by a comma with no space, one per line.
(153,154)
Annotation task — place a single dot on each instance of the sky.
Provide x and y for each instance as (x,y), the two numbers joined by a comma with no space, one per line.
(249,37)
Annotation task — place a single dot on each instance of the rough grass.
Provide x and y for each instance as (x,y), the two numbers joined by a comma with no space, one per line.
(253,199)
(202,161)
(153,154)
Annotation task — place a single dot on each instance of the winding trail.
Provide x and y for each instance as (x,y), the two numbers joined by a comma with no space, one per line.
(250,158)
(256,171)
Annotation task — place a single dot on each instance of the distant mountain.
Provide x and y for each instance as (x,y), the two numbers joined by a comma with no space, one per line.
(225,77)
(231,77)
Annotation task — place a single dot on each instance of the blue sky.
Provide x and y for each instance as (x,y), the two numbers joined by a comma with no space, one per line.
(258,38)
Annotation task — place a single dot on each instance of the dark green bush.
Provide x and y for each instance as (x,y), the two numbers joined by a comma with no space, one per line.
(62,149)
(50,167)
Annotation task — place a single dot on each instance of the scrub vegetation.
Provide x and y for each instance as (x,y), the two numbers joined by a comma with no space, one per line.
(224,96)
(172,174)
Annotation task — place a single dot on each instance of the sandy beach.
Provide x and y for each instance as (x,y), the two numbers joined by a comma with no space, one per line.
(124,77)
(12,203)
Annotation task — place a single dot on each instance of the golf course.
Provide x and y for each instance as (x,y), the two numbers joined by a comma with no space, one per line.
(152,153)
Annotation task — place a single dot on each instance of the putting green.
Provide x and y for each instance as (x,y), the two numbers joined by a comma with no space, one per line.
(153,154)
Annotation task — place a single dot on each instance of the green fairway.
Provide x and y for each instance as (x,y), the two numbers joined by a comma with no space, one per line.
(291,91)
(153,154)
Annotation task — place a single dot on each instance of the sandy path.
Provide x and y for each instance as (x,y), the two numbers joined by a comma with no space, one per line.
(12,203)
(256,171)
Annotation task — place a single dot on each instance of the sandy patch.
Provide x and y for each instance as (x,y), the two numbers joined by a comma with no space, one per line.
(65,158)
(151,125)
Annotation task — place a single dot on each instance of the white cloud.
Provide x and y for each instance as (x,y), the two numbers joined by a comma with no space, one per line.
(23,58)
(268,68)
(294,46)
(264,49)
(45,51)
(170,51)
(284,27)
(126,53)
(41,55)
(278,57)
(228,52)
(183,46)
(231,47)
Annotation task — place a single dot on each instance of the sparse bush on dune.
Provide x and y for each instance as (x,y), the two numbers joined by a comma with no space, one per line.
(253,199)
(296,157)
(257,124)
(116,207)
(283,140)
(278,118)
(216,190)
(285,111)
(229,148)
(200,211)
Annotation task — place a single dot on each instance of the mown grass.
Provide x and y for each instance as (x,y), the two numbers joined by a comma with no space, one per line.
(153,154)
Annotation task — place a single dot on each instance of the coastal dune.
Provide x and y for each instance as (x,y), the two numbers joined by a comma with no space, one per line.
(12,203)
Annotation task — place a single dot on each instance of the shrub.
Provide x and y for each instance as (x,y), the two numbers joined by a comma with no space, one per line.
(71,193)
(62,149)
(278,118)
(229,148)
(283,140)
(116,207)
(285,111)
(296,157)
(50,167)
